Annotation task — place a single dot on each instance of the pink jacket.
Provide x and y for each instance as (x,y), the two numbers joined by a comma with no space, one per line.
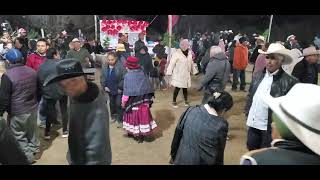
(260,64)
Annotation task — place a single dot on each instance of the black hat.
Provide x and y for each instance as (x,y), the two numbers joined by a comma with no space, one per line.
(65,69)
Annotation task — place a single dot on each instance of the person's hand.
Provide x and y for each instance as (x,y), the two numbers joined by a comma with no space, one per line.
(106,89)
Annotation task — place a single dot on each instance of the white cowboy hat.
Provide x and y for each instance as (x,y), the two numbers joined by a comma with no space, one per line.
(299,111)
(276,48)
(296,57)
(310,51)
(230,31)
(260,38)
(291,36)
(75,40)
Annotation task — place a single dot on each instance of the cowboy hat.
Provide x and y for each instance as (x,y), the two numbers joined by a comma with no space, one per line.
(66,69)
(302,119)
(291,36)
(75,40)
(310,51)
(296,57)
(260,38)
(120,47)
(276,48)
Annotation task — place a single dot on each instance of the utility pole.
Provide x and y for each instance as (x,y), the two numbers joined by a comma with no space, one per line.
(270,24)
(95,28)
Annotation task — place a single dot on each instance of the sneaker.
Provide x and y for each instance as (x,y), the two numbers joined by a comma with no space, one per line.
(42,125)
(174,105)
(65,134)
(119,125)
(186,104)
(47,137)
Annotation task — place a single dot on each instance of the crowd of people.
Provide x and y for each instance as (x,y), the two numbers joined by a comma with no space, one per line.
(46,71)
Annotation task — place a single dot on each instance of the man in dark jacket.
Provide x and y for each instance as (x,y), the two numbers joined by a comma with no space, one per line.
(139,44)
(111,80)
(89,142)
(205,60)
(217,73)
(51,94)
(274,81)
(18,97)
(81,54)
(295,129)
(306,70)
(20,45)
(145,60)
(10,151)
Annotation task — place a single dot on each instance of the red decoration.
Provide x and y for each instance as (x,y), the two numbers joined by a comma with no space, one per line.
(104,29)
(108,21)
(109,32)
(112,26)
(107,26)
(119,28)
(140,22)
(115,31)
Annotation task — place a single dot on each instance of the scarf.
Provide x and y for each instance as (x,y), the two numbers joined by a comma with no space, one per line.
(136,83)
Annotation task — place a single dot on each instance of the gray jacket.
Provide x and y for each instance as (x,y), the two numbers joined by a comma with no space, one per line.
(204,139)
(217,73)
(89,142)
(120,71)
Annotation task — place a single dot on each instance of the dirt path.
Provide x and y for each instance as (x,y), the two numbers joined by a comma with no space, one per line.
(127,151)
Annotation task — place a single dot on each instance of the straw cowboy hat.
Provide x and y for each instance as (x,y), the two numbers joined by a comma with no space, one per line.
(299,111)
(66,69)
(296,57)
(120,47)
(260,38)
(310,51)
(276,48)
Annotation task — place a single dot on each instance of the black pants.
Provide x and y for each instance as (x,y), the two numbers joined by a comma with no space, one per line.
(236,75)
(115,107)
(176,92)
(258,139)
(50,112)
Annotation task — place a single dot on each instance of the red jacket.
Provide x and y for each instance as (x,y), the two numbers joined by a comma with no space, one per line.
(34,61)
(240,58)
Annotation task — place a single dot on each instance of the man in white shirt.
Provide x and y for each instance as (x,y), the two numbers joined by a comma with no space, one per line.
(274,81)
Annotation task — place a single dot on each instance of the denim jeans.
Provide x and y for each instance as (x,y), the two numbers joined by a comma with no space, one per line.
(115,107)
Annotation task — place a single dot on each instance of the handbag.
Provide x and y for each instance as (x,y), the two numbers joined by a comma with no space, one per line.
(195,69)
(178,134)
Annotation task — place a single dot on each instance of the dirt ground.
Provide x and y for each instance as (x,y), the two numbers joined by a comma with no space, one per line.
(126,151)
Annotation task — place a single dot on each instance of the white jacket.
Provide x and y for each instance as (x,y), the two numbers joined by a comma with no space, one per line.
(180,67)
